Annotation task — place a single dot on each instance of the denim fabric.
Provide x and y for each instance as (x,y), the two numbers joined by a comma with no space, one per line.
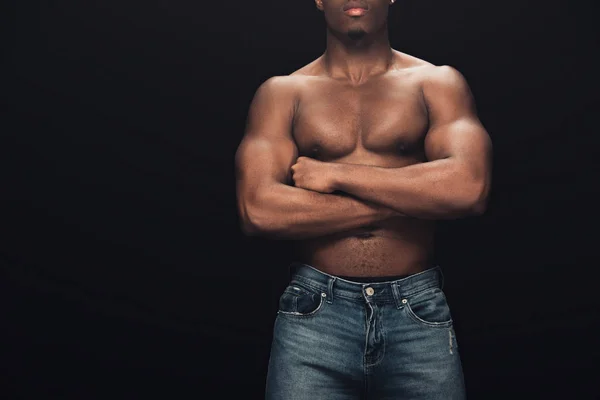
(334,339)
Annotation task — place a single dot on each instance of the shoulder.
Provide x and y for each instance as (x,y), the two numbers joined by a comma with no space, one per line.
(278,85)
(429,74)
(282,92)
(446,92)
(443,87)
(290,86)
(426,73)
(445,79)
(276,93)
(284,85)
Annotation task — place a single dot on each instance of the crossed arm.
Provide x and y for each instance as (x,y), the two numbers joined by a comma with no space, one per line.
(454,182)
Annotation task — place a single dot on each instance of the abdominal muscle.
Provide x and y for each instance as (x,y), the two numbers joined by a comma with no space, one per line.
(396,246)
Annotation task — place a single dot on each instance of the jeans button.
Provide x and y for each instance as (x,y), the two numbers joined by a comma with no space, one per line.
(369,291)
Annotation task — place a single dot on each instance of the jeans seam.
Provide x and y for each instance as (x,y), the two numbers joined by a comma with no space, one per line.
(359,299)
(414,317)
(380,359)
(297,314)
(420,289)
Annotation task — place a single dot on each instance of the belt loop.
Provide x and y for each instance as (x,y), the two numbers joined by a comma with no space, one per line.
(396,294)
(330,290)
(442,279)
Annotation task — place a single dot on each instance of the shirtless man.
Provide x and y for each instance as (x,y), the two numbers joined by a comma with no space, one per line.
(354,156)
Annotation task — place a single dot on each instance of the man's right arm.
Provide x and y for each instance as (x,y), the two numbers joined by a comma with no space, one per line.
(267,205)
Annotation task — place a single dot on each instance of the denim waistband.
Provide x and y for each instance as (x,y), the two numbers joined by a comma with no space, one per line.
(332,286)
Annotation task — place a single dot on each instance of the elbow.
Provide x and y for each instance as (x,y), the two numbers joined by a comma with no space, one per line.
(478,209)
(255,221)
(478,199)
(247,222)
(248,228)
(469,201)
(250,225)
(467,195)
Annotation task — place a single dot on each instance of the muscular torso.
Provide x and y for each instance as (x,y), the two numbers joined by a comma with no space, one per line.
(382,122)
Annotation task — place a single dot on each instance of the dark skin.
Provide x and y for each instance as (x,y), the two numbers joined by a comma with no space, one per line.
(357,154)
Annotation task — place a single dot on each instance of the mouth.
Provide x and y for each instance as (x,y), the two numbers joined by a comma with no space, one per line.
(355,11)
(355,8)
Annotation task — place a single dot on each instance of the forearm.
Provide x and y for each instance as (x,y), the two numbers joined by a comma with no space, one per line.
(287,212)
(440,189)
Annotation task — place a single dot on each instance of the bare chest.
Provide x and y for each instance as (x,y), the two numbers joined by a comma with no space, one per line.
(381,119)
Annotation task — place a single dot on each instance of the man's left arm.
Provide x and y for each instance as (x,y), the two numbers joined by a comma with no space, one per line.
(455,181)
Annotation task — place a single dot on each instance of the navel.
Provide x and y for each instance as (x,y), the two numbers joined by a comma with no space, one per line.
(366,231)
(364,235)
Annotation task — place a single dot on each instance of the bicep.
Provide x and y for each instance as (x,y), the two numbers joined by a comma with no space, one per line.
(261,161)
(267,150)
(455,130)
(464,141)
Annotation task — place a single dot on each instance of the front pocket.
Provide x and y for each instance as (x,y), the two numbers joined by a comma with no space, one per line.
(299,301)
(429,307)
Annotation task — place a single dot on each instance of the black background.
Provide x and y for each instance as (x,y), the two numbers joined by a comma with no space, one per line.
(124,271)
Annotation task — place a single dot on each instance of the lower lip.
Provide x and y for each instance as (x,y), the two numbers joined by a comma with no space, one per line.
(355,12)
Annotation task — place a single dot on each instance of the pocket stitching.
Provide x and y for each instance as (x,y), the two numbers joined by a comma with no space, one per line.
(417,319)
(297,314)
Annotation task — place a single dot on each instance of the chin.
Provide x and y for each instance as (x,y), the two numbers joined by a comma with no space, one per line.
(356,33)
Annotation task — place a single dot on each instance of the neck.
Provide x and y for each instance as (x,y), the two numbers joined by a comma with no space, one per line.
(357,60)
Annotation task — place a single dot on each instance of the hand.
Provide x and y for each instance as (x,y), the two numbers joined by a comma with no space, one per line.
(314,175)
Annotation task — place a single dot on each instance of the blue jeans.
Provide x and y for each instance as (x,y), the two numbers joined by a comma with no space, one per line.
(339,340)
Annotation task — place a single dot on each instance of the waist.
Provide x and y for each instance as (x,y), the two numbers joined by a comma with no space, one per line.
(392,247)
(380,292)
